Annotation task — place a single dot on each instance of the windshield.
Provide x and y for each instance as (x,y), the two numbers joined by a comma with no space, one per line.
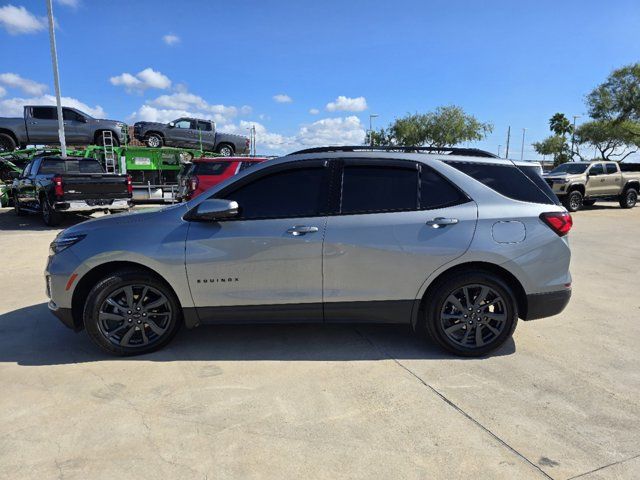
(570,168)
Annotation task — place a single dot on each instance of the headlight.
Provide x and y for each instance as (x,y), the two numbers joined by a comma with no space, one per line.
(62,243)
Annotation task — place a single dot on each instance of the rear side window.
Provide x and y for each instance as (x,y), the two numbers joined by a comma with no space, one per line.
(209,168)
(597,169)
(45,113)
(437,192)
(204,126)
(299,192)
(369,189)
(611,168)
(245,165)
(508,180)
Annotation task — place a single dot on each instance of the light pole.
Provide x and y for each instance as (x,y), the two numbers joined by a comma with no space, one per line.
(508,140)
(499,146)
(522,148)
(573,134)
(371,117)
(56,79)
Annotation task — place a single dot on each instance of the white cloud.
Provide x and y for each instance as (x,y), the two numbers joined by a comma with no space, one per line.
(314,111)
(29,87)
(282,98)
(18,20)
(147,78)
(265,140)
(332,131)
(347,104)
(13,107)
(171,39)
(69,3)
(3,92)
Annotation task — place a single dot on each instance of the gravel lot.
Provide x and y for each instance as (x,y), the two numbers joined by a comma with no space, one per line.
(562,400)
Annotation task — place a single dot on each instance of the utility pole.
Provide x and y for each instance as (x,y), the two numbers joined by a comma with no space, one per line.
(508,140)
(522,148)
(573,134)
(56,79)
(371,117)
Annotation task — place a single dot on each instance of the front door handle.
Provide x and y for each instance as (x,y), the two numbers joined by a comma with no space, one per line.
(440,222)
(300,230)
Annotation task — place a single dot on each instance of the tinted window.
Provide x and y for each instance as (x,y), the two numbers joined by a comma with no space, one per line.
(183,124)
(58,165)
(437,192)
(571,168)
(27,169)
(71,115)
(300,192)
(209,168)
(45,113)
(507,180)
(379,189)
(533,174)
(204,126)
(597,169)
(245,165)
(611,168)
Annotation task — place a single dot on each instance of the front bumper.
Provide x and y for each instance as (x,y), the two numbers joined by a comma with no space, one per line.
(63,314)
(92,206)
(541,305)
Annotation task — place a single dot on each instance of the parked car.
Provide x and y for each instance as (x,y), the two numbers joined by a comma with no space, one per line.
(204,173)
(457,247)
(39,126)
(8,171)
(51,186)
(191,133)
(583,183)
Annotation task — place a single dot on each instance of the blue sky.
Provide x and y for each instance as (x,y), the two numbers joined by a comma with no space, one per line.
(509,63)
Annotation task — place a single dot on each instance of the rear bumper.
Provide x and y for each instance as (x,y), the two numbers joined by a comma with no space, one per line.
(92,206)
(541,305)
(63,314)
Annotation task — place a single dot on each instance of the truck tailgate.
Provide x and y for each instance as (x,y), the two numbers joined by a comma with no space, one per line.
(83,186)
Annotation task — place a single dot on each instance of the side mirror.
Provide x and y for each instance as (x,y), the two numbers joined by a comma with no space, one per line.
(214,209)
(14,175)
(171,124)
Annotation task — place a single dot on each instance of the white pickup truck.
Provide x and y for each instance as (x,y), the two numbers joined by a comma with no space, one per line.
(582,183)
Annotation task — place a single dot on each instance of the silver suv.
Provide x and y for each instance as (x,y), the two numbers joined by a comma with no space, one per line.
(458,246)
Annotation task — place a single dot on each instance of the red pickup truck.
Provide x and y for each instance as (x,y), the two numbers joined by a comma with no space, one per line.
(205,172)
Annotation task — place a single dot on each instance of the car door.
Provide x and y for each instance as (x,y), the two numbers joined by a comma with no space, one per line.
(612,182)
(266,264)
(27,184)
(42,125)
(205,135)
(184,133)
(76,128)
(596,180)
(398,222)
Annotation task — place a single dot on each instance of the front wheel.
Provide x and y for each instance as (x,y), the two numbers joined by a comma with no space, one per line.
(471,314)
(573,201)
(629,198)
(131,313)
(153,140)
(50,217)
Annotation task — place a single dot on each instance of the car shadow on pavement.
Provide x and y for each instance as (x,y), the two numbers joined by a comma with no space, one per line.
(9,221)
(32,336)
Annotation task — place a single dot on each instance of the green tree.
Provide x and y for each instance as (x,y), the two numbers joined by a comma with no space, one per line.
(614,140)
(560,125)
(444,127)
(618,98)
(556,146)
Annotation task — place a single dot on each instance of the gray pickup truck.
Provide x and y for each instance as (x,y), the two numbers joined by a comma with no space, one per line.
(190,133)
(39,126)
(582,183)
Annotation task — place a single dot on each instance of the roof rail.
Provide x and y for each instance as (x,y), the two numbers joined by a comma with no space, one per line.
(469,152)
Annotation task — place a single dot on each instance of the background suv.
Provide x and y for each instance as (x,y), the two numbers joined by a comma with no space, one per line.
(458,247)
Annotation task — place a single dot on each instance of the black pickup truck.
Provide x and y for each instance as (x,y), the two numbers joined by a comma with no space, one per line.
(52,186)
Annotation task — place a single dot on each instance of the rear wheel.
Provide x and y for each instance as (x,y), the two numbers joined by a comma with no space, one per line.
(225,150)
(131,313)
(7,144)
(573,201)
(50,217)
(471,314)
(153,140)
(629,198)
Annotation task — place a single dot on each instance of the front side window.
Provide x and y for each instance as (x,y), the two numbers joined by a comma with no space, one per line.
(186,124)
(70,115)
(369,189)
(299,192)
(611,168)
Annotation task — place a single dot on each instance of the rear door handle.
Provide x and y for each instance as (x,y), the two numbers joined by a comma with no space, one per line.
(300,230)
(440,222)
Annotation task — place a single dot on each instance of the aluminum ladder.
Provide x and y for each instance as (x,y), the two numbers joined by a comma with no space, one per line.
(109,153)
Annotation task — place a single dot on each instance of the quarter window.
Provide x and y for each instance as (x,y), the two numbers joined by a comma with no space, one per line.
(368,189)
(299,192)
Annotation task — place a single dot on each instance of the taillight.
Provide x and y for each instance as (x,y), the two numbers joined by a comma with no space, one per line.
(194,184)
(58,189)
(559,222)
(129,185)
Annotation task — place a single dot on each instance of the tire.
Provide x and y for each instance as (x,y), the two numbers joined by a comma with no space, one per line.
(588,203)
(16,208)
(494,312)
(50,217)
(225,150)
(7,144)
(108,300)
(573,201)
(629,198)
(153,140)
